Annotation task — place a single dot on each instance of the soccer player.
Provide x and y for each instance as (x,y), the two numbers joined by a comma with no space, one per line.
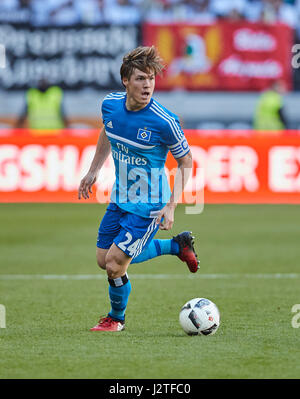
(138,132)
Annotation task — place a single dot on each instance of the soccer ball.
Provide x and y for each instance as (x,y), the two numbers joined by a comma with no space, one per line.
(199,316)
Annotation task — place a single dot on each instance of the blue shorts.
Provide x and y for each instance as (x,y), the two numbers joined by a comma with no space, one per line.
(131,233)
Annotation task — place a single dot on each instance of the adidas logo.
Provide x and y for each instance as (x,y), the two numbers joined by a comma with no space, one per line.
(110,124)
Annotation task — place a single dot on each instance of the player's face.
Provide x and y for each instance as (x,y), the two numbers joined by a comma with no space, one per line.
(139,89)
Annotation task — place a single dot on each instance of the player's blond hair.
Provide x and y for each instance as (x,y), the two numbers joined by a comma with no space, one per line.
(145,59)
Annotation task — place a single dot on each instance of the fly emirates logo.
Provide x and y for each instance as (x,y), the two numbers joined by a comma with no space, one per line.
(122,156)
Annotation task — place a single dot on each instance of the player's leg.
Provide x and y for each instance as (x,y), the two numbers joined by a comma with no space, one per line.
(116,264)
(109,228)
(157,247)
(182,245)
(114,261)
(135,232)
(133,236)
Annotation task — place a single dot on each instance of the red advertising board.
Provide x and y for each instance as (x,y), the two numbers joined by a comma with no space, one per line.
(222,56)
(225,169)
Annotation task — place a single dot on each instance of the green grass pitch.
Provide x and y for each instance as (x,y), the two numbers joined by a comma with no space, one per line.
(249,268)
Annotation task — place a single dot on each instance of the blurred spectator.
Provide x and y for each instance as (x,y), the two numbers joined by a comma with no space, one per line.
(55,12)
(123,12)
(269,114)
(272,11)
(40,12)
(229,9)
(194,11)
(64,12)
(43,109)
(297,11)
(170,11)
(15,11)
(253,10)
(203,12)
(158,11)
(92,12)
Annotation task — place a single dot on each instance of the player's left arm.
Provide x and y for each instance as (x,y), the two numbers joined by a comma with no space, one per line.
(183,172)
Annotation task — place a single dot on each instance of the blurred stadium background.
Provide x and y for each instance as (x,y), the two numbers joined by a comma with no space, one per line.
(220,56)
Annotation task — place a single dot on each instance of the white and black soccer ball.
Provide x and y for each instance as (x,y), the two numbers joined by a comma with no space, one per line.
(199,316)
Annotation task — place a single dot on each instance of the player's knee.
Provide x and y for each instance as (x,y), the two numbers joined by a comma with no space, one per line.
(112,266)
(101,261)
(101,264)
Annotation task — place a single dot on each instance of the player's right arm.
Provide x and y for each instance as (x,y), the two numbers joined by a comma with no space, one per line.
(102,152)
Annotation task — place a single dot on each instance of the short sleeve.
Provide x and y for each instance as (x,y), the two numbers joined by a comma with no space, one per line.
(108,105)
(174,138)
(105,110)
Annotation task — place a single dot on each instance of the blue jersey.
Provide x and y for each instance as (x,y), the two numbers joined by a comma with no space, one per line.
(140,141)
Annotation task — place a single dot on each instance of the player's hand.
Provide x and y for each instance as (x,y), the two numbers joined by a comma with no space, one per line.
(85,186)
(165,218)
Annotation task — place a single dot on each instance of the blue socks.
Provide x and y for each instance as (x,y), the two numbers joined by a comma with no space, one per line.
(157,248)
(119,290)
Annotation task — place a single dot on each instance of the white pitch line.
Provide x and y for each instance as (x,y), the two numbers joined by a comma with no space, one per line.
(151,276)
